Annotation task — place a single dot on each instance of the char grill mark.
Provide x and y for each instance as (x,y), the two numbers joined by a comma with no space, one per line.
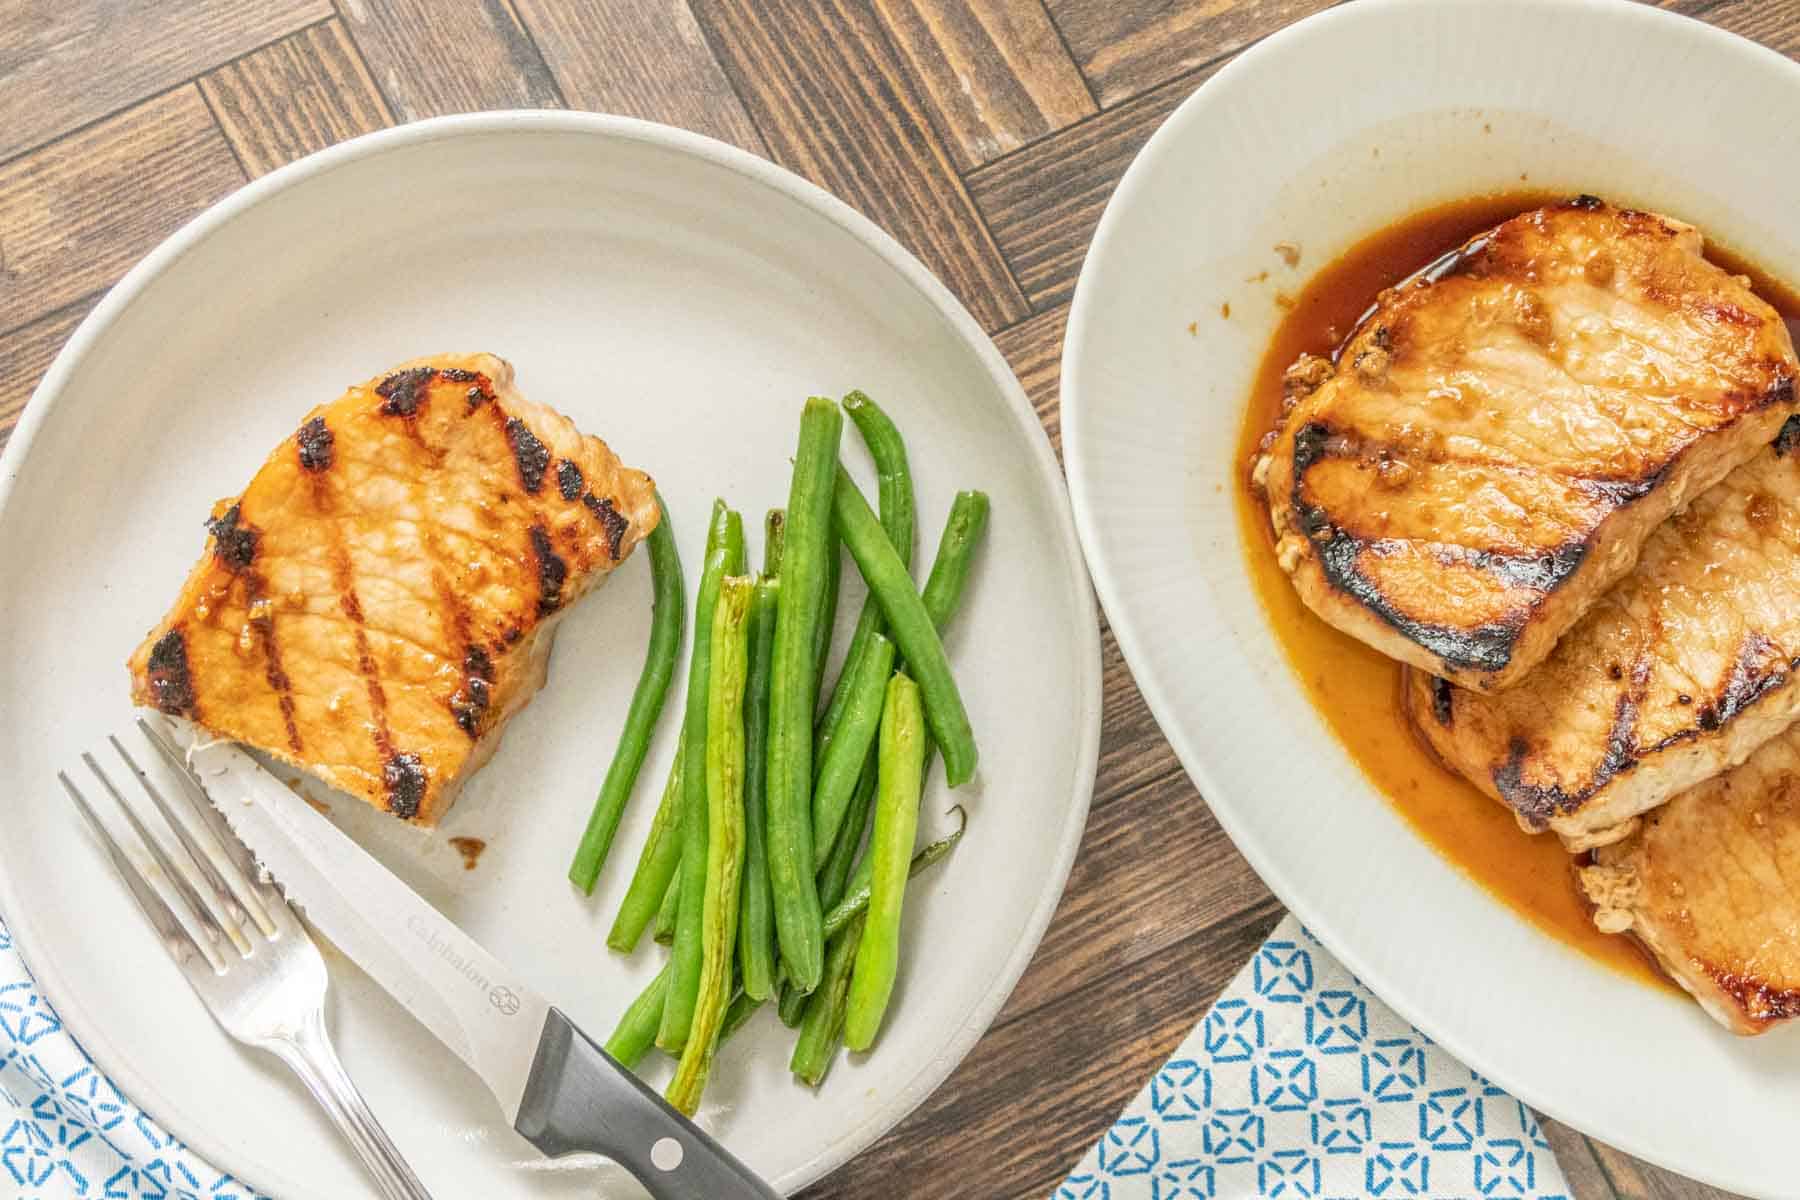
(470,702)
(568,479)
(405,777)
(235,543)
(477,395)
(315,445)
(552,571)
(262,619)
(1789,437)
(531,455)
(1486,648)
(170,682)
(402,392)
(1442,702)
(611,519)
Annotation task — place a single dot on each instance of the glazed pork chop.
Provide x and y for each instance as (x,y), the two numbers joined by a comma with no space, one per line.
(1499,436)
(1710,884)
(1677,674)
(381,599)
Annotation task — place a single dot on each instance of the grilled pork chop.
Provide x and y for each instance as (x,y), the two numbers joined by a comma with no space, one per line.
(1677,674)
(382,597)
(1499,436)
(1711,885)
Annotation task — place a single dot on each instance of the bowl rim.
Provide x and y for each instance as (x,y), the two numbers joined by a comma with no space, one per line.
(894,1108)
(1136,644)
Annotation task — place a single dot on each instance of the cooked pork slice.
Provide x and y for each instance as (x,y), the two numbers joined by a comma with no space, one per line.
(1710,883)
(1674,676)
(380,600)
(1498,437)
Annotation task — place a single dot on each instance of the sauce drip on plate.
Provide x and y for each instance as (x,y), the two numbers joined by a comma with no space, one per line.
(1355,688)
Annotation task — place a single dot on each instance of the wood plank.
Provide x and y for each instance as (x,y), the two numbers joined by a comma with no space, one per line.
(1033,1096)
(1033,348)
(834,104)
(27,353)
(76,214)
(301,94)
(1632,1179)
(1575,1155)
(431,57)
(1774,23)
(66,63)
(641,60)
(996,71)
(1128,46)
(1121,914)
(1043,203)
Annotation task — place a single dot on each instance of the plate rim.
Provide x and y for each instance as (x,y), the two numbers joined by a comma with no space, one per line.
(1135,644)
(894,1109)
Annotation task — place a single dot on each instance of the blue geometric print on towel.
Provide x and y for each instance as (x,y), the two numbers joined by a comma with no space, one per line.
(1083,1187)
(1343,1126)
(1398,1169)
(1184,1179)
(1181,1091)
(1129,1148)
(1394,1070)
(1282,972)
(24,1015)
(1451,1119)
(1337,1022)
(1505,1167)
(1233,1135)
(1288,1173)
(1285,1081)
(1233,1031)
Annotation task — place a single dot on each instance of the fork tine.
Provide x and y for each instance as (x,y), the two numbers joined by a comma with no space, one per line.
(158,733)
(235,893)
(177,939)
(212,922)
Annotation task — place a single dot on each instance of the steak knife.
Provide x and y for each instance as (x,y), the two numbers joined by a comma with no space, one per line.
(555,1084)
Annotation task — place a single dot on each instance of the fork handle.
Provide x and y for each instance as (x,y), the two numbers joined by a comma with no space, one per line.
(308,1053)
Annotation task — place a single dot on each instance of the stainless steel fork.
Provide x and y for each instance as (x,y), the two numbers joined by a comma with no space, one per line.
(237,941)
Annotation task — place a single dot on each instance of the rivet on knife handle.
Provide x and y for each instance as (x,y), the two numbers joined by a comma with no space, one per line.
(577,1099)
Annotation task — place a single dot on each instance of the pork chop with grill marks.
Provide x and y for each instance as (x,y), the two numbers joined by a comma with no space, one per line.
(1677,674)
(1710,884)
(381,599)
(1499,436)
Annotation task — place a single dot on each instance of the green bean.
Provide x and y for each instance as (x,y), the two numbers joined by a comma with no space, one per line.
(756,931)
(774,537)
(890,845)
(791,694)
(822,1024)
(856,895)
(663,932)
(792,1005)
(895,492)
(741,1010)
(912,626)
(955,555)
(637,1028)
(843,763)
(834,876)
(666,612)
(826,625)
(724,556)
(725,839)
(656,866)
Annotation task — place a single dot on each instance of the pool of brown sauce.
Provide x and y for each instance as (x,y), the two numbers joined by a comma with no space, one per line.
(1357,689)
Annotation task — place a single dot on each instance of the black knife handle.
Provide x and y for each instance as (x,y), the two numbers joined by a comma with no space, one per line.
(579,1099)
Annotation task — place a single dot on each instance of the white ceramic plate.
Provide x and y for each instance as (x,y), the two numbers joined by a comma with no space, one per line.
(679,298)
(1318,136)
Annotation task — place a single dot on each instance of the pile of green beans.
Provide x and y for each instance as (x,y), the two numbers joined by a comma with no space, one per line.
(755,869)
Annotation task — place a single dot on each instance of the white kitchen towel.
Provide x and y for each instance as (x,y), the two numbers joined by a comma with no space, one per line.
(1298,1084)
(65,1130)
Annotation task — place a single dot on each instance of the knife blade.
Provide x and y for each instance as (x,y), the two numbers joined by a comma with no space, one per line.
(554,1084)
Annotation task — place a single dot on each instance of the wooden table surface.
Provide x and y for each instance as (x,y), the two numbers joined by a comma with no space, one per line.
(985,134)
